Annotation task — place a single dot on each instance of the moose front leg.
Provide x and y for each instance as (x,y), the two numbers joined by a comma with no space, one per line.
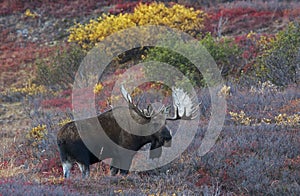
(121,164)
(114,171)
(114,167)
(126,163)
(155,150)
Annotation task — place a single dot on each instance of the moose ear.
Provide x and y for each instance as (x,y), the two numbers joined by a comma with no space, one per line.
(155,150)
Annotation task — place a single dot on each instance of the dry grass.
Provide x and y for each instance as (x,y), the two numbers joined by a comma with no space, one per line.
(9,169)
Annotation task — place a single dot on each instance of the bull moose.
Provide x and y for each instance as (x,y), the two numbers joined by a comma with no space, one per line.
(132,137)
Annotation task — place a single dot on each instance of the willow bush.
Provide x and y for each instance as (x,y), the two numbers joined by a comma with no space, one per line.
(177,16)
(280,57)
(225,52)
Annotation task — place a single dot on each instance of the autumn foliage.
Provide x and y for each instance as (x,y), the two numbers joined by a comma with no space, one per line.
(254,43)
(176,16)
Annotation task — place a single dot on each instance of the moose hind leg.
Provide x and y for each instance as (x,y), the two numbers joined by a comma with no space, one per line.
(85,169)
(67,168)
(125,166)
(113,170)
(114,167)
(123,172)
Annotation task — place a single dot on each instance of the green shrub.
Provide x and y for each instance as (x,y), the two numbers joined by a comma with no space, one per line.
(279,61)
(225,52)
(172,58)
(60,69)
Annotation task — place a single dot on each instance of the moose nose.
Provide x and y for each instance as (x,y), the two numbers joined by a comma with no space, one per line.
(166,135)
(168,138)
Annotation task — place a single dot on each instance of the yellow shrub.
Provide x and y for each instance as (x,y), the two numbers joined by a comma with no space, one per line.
(240,118)
(97,88)
(29,89)
(37,134)
(225,91)
(177,16)
(64,121)
(283,119)
(30,14)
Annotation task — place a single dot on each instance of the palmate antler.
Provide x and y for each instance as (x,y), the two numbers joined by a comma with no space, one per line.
(185,107)
(148,112)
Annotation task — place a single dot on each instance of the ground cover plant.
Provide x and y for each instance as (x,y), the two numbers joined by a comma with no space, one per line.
(255,45)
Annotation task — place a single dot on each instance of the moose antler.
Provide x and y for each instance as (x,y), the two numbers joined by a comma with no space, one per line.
(126,95)
(148,112)
(185,107)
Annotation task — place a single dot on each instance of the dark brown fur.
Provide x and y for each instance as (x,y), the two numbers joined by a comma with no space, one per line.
(73,149)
